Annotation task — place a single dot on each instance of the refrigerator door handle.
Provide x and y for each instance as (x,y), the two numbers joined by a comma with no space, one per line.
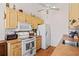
(46,33)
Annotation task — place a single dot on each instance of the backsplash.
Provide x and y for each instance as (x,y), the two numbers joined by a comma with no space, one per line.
(10,31)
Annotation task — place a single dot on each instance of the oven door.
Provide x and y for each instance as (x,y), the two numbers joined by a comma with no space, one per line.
(27,45)
(32,44)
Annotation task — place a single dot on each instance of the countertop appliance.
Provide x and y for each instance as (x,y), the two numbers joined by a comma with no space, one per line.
(44,31)
(11,36)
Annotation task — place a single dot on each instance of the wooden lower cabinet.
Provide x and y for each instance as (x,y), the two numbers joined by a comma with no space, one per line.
(14,48)
(38,43)
(3,49)
(16,51)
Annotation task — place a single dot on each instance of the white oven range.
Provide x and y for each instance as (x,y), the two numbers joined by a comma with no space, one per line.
(28,47)
(28,44)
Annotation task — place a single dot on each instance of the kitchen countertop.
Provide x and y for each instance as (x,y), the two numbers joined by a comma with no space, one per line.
(15,40)
(1,41)
(38,36)
(12,41)
(66,37)
(65,50)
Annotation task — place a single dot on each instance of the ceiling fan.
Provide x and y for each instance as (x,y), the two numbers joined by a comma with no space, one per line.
(48,7)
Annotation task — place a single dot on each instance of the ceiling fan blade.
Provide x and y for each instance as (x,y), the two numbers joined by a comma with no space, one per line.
(54,9)
(40,10)
(43,4)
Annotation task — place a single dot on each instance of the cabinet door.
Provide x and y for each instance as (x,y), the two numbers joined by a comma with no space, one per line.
(16,49)
(34,23)
(3,49)
(28,19)
(73,11)
(31,20)
(38,43)
(7,12)
(39,21)
(13,19)
(21,17)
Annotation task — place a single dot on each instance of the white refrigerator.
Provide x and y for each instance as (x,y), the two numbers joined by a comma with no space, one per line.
(45,32)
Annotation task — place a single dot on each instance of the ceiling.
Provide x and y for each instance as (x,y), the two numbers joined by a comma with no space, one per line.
(32,8)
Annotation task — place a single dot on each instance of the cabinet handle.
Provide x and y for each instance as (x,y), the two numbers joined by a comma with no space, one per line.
(4,15)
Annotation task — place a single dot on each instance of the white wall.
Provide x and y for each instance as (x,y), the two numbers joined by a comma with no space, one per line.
(2,29)
(58,21)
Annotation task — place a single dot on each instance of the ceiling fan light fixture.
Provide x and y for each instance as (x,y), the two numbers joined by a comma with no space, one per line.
(48,7)
(54,7)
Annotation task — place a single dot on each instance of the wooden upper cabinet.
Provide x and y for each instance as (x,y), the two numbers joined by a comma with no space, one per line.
(21,17)
(28,19)
(39,21)
(7,12)
(74,11)
(36,21)
(11,18)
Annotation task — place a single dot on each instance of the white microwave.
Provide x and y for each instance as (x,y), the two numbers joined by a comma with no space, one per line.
(24,26)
